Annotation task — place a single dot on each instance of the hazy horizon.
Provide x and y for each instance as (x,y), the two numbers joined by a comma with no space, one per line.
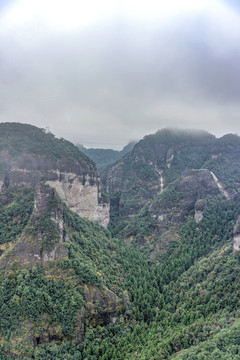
(120,147)
(105,73)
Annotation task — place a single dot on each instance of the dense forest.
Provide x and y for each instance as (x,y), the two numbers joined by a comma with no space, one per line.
(157,283)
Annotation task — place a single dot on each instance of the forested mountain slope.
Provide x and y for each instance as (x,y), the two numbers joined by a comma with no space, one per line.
(29,155)
(158,160)
(162,282)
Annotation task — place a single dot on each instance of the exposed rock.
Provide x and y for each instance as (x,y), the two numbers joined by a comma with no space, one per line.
(161,217)
(1,184)
(167,212)
(82,197)
(215,156)
(161,178)
(113,179)
(43,238)
(198,216)
(173,205)
(236,236)
(220,186)
(76,182)
(169,157)
(132,180)
(102,304)
(200,206)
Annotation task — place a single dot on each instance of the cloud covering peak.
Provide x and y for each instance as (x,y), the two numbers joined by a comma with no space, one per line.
(104,77)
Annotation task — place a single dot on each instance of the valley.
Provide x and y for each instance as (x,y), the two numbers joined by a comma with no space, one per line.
(134,257)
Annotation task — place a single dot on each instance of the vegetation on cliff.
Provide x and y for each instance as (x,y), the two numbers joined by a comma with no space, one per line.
(171,292)
(17,139)
(134,180)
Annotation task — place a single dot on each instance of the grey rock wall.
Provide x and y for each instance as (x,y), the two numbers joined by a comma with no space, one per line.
(77,184)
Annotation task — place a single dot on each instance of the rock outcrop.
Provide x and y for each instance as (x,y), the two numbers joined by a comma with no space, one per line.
(102,304)
(43,239)
(81,194)
(169,157)
(173,205)
(161,158)
(167,212)
(236,236)
(220,187)
(199,207)
(70,172)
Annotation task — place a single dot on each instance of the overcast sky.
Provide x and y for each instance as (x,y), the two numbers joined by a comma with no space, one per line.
(104,72)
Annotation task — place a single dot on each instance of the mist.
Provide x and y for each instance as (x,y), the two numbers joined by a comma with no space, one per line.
(117,76)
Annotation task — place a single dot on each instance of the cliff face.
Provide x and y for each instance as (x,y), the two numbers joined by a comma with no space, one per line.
(42,240)
(160,159)
(64,278)
(62,262)
(82,195)
(74,177)
(236,234)
(162,218)
(164,179)
(183,196)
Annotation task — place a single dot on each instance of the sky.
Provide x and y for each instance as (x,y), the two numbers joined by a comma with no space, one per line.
(103,73)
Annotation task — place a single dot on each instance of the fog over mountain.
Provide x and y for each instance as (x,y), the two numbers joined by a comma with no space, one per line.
(120,69)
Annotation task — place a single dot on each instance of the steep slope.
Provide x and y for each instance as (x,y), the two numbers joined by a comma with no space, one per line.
(199,296)
(161,219)
(197,311)
(29,155)
(56,278)
(69,290)
(223,345)
(43,237)
(158,160)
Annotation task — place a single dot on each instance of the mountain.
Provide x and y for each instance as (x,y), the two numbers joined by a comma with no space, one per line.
(105,157)
(29,155)
(161,281)
(158,160)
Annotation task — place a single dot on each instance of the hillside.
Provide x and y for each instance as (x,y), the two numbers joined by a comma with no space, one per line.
(18,139)
(162,281)
(160,159)
(29,155)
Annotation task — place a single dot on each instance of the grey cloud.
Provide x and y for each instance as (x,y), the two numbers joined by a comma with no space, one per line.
(118,81)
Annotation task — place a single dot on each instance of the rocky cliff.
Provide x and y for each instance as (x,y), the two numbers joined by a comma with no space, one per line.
(63,167)
(68,289)
(161,219)
(59,268)
(236,234)
(42,239)
(160,159)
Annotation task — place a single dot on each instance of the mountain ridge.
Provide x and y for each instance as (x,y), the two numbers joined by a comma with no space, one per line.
(161,281)
(29,155)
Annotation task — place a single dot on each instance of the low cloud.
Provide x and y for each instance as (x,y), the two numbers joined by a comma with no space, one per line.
(118,80)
